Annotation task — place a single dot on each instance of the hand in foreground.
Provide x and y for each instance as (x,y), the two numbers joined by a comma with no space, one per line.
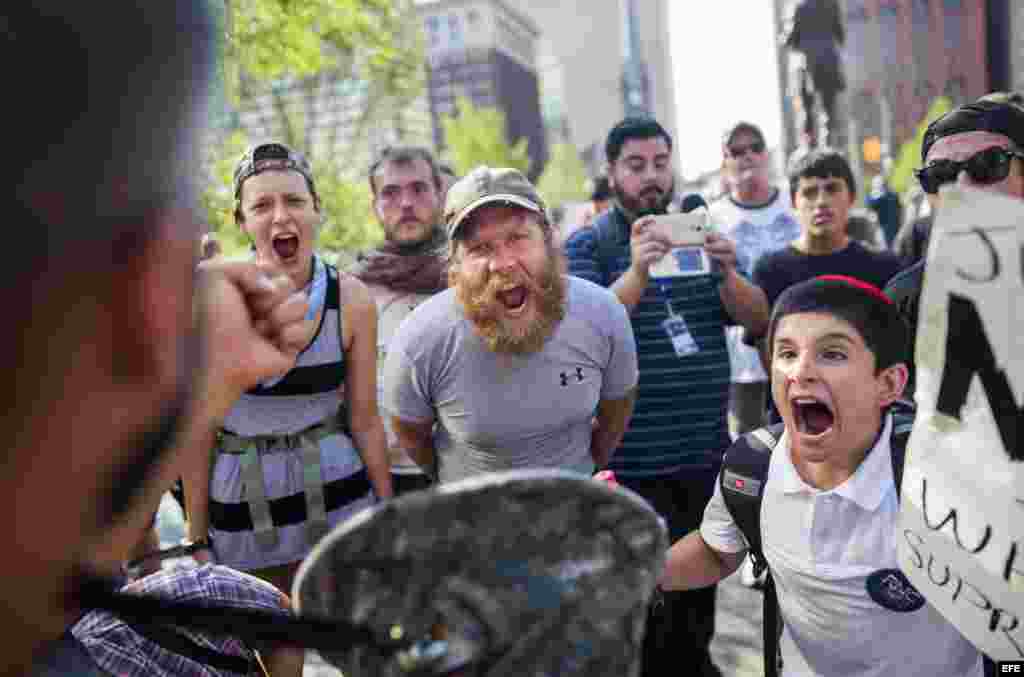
(252,326)
(721,249)
(646,245)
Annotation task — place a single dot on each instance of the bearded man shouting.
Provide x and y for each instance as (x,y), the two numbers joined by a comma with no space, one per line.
(517,364)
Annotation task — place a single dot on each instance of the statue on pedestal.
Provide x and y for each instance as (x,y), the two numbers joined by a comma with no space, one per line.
(814,36)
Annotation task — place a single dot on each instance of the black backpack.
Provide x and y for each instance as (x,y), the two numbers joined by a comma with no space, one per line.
(607,229)
(743,476)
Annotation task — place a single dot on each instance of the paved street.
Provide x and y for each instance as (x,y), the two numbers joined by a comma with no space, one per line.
(736,647)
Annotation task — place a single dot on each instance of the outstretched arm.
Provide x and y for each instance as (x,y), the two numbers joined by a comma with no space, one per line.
(692,563)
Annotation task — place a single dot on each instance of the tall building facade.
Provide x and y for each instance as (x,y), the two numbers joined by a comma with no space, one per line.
(1010,18)
(899,56)
(487,51)
(583,72)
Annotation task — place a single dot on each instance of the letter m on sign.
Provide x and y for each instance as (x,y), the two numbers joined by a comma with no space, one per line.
(969,352)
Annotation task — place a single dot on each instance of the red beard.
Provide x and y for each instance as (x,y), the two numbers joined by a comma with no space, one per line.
(479,299)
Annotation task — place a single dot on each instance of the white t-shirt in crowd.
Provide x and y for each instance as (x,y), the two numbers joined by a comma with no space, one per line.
(757,230)
(822,547)
(392,308)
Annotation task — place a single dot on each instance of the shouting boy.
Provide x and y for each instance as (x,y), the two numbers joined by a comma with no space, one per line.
(829,501)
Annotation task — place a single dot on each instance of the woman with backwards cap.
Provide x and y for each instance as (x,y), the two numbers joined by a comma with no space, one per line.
(300,453)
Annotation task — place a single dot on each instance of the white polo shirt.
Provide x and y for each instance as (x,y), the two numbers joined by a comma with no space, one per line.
(822,548)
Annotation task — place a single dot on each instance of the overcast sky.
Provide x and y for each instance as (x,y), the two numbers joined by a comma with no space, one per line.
(724,60)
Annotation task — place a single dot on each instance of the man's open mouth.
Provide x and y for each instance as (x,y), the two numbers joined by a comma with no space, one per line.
(823,217)
(513,299)
(812,416)
(285,246)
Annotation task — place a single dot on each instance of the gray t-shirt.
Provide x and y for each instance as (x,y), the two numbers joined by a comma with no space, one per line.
(497,411)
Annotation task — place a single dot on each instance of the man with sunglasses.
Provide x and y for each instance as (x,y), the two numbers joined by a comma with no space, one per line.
(759,218)
(979,145)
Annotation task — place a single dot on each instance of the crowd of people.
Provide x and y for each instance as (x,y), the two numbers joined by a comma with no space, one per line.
(287,395)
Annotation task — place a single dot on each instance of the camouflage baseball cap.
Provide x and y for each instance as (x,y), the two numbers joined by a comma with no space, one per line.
(486,185)
(265,156)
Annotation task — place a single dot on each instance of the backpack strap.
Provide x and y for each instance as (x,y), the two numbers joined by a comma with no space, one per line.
(772,628)
(606,228)
(744,473)
(902,423)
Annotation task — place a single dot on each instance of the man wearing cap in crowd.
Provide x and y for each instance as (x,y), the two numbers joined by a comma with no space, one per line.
(759,218)
(978,144)
(517,364)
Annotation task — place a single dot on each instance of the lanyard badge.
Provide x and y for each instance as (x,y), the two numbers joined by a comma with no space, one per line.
(676,329)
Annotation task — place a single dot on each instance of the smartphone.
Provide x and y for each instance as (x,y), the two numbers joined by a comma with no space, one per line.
(687,233)
(683,230)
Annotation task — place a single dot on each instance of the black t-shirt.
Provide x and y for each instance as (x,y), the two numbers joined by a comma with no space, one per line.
(777,271)
(905,291)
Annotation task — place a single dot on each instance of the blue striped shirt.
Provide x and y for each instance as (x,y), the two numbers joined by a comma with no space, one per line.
(680,417)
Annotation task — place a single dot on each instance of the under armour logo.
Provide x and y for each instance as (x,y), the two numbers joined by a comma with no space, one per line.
(578,376)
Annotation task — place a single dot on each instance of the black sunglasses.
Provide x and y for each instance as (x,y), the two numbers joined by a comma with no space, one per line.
(984,167)
(740,151)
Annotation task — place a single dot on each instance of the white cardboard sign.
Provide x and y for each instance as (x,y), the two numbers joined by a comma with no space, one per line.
(961,539)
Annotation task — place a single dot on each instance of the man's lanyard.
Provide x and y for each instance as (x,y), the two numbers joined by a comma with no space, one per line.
(674,325)
(664,294)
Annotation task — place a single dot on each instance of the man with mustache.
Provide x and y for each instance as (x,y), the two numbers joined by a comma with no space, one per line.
(517,365)
(674,446)
(408,188)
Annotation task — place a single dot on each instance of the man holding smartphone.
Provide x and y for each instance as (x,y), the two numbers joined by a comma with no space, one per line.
(673,449)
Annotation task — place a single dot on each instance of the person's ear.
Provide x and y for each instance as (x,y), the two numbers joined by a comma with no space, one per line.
(891,383)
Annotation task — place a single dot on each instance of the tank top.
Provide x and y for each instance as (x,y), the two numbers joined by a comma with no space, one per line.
(310,392)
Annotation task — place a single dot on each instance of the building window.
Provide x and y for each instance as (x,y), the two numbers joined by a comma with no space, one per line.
(856,11)
(953,24)
(454,31)
(891,32)
(433,24)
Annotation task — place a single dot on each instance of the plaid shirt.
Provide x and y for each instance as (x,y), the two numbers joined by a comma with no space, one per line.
(119,650)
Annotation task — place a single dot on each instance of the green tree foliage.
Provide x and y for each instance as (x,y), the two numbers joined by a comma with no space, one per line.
(218,201)
(565,177)
(478,136)
(270,39)
(272,46)
(909,157)
(349,223)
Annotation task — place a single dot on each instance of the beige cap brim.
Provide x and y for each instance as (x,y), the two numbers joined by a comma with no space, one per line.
(517,200)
